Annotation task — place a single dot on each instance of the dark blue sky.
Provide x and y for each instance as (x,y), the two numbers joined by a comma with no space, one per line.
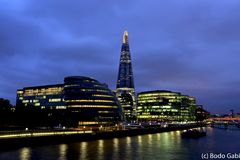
(188,46)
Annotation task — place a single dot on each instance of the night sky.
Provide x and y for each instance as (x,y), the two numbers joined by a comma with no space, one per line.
(188,46)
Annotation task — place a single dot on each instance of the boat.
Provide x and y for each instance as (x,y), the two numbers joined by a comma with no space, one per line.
(193,133)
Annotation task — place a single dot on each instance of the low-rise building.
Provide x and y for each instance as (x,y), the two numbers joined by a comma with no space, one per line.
(162,105)
(83,100)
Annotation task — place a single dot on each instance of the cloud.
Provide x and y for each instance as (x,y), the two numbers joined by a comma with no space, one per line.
(185,46)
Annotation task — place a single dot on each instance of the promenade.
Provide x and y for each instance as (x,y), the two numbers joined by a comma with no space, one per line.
(15,139)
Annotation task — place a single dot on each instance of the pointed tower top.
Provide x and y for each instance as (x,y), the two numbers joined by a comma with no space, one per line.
(125,37)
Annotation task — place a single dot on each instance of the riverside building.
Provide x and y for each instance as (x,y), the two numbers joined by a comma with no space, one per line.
(162,105)
(125,85)
(86,101)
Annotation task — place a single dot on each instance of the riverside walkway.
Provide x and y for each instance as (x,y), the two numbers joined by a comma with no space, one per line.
(39,133)
(16,139)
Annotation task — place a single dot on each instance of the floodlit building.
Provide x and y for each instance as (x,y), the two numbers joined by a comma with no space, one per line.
(125,85)
(84,100)
(161,105)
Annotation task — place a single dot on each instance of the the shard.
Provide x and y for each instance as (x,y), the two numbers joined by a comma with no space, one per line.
(125,85)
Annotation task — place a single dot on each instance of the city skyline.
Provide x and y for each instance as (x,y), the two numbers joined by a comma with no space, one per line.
(189,47)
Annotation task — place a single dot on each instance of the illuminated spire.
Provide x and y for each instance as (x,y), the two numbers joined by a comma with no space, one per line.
(125,74)
(125,87)
(125,37)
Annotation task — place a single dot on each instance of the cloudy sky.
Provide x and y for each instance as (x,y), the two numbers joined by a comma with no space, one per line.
(188,46)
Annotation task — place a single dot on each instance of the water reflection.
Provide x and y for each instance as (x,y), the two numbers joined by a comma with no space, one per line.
(115,148)
(25,153)
(168,145)
(139,140)
(83,150)
(178,137)
(100,149)
(63,151)
(158,136)
(150,136)
(128,147)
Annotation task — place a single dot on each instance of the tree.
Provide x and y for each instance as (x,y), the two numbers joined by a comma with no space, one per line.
(5,105)
(6,113)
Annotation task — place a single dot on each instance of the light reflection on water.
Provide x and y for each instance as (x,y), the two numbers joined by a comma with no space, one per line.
(25,153)
(100,149)
(128,147)
(115,148)
(167,145)
(83,150)
(62,151)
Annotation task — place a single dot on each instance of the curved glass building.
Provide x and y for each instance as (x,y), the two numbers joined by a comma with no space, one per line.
(91,101)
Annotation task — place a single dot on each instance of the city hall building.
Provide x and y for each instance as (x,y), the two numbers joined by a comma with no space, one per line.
(162,105)
(89,101)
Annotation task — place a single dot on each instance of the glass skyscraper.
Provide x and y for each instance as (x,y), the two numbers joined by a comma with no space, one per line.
(125,86)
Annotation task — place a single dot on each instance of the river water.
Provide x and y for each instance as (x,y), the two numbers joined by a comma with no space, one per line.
(161,146)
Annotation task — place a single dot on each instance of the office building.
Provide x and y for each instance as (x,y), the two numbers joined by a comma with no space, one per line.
(83,100)
(162,105)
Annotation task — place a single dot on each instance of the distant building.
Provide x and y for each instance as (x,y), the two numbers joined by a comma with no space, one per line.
(84,100)
(201,113)
(125,86)
(161,105)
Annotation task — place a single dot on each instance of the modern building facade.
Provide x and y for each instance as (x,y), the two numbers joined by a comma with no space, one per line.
(92,102)
(84,100)
(125,85)
(44,97)
(162,105)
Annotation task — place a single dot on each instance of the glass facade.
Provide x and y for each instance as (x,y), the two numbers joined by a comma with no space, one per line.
(125,85)
(91,101)
(161,105)
(83,100)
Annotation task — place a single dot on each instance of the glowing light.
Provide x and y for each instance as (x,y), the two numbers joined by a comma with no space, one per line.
(83,150)
(100,149)
(25,153)
(63,151)
(140,139)
(125,37)
(115,144)
(38,134)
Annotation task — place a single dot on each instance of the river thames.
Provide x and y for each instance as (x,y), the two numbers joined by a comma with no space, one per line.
(162,146)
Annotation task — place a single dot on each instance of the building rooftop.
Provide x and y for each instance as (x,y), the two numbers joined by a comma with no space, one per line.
(157,91)
(44,86)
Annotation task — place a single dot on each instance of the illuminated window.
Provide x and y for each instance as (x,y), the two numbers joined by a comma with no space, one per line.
(92,106)
(61,107)
(55,100)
